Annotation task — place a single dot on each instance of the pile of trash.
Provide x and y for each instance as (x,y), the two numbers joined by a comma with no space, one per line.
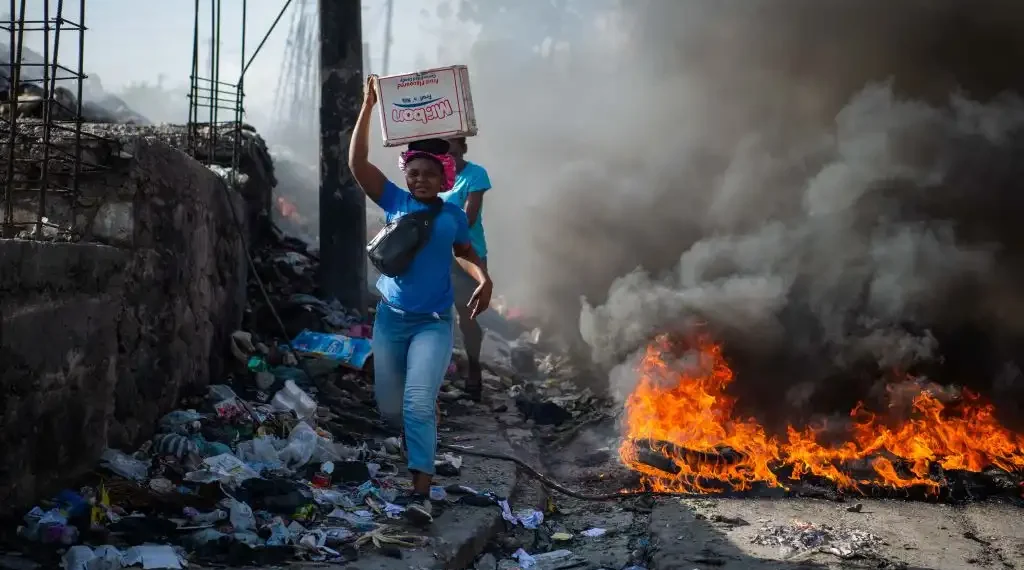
(287,458)
(802,538)
(541,383)
(255,471)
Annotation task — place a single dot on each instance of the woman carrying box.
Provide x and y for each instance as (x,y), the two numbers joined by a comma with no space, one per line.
(413,332)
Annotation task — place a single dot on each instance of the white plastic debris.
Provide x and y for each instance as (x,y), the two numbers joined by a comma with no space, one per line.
(803,537)
(545,561)
(230,468)
(526,562)
(152,557)
(530,519)
(241,516)
(124,465)
(77,558)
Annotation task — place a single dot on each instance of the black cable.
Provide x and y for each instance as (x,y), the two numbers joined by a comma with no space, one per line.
(555,485)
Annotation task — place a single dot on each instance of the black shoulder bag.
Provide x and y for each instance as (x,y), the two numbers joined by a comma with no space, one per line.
(397,244)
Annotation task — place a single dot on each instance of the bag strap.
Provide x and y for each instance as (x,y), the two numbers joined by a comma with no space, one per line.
(435,207)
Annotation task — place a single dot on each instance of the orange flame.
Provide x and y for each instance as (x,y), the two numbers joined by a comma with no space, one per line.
(287,209)
(685,411)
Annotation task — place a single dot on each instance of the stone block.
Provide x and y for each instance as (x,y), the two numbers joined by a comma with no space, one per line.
(58,355)
(98,342)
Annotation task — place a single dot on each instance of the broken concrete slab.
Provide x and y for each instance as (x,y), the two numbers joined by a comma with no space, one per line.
(59,304)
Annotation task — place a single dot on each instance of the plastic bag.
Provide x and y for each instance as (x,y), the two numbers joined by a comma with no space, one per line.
(351,352)
(240,515)
(260,451)
(302,444)
(77,558)
(221,392)
(180,422)
(291,398)
(124,465)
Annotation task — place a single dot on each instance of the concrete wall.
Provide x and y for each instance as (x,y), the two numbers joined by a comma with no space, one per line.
(97,342)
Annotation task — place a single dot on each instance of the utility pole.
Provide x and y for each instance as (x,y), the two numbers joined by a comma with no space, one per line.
(342,202)
(388,17)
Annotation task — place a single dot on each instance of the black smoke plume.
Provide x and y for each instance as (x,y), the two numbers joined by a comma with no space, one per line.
(834,188)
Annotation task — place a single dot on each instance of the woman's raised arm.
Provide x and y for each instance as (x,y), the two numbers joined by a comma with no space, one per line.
(368,176)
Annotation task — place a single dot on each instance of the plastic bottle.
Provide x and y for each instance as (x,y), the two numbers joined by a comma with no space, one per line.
(209,518)
(322,478)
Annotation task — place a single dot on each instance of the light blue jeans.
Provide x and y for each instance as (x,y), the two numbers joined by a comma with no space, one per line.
(411,353)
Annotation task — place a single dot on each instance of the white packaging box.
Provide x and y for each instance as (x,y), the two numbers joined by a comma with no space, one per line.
(435,103)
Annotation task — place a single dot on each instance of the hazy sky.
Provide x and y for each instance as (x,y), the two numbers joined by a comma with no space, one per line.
(140,40)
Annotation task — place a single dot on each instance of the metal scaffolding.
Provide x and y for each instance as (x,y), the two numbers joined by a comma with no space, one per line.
(209,96)
(39,120)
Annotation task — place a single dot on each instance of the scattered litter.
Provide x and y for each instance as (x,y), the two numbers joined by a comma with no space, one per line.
(438,494)
(352,352)
(148,556)
(152,557)
(546,561)
(273,463)
(525,561)
(594,532)
(801,537)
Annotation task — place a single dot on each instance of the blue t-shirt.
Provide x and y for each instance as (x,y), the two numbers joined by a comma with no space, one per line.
(473,178)
(426,287)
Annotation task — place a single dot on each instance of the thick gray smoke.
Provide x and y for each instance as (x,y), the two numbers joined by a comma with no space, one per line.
(836,244)
(826,185)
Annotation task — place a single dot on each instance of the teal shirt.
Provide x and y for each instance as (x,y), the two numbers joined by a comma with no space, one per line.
(473,178)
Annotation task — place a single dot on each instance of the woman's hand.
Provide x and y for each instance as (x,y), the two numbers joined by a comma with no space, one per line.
(480,301)
(370,92)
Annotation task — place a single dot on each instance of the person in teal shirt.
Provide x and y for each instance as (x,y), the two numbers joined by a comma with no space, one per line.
(471,182)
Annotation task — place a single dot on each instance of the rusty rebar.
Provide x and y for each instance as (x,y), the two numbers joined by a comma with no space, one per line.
(77,168)
(17,38)
(193,109)
(49,87)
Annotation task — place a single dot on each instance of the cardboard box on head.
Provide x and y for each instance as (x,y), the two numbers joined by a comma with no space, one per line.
(430,104)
